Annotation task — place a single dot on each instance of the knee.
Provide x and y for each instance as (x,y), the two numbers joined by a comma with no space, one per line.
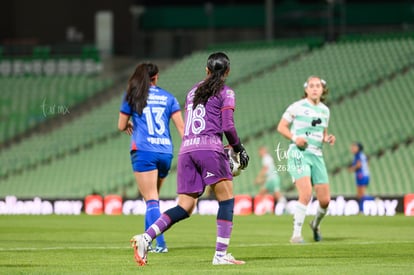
(177,214)
(324,202)
(305,198)
(188,204)
(225,211)
(189,208)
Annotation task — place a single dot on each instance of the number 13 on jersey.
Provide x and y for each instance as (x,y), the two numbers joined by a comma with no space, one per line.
(157,113)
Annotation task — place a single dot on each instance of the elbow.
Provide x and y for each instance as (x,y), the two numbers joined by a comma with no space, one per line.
(121,127)
(231,135)
(122,122)
(279,128)
(228,130)
(228,127)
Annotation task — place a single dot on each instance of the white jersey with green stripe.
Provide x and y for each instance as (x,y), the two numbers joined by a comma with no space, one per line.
(308,121)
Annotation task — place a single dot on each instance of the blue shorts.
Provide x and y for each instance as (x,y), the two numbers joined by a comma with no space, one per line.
(197,169)
(143,161)
(364,181)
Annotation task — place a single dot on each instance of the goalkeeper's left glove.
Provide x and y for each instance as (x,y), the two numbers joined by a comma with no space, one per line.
(244,157)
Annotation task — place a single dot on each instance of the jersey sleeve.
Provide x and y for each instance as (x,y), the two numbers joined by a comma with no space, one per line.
(125,107)
(229,102)
(229,99)
(289,114)
(175,105)
(267,161)
(228,127)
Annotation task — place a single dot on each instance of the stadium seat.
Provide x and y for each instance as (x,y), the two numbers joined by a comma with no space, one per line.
(370,87)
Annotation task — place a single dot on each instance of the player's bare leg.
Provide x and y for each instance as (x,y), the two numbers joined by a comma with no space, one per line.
(323,196)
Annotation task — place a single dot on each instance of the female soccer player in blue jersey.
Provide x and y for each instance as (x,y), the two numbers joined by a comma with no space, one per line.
(202,162)
(150,108)
(305,123)
(360,167)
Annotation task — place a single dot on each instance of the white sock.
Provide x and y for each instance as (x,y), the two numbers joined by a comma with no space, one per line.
(220,253)
(298,219)
(320,213)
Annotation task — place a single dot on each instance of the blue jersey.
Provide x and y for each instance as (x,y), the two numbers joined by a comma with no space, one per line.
(363,171)
(152,128)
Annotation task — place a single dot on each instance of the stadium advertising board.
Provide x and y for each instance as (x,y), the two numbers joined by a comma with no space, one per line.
(409,205)
(36,206)
(244,205)
(347,207)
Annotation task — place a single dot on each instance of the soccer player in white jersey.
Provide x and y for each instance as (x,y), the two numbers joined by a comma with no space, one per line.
(305,123)
(268,177)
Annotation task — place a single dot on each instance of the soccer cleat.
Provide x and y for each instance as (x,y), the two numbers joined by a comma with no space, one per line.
(161,249)
(140,244)
(297,240)
(316,232)
(226,259)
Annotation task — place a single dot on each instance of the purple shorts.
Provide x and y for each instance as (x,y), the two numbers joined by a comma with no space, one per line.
(197,169)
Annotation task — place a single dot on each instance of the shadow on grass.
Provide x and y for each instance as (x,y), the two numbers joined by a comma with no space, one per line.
(336,239)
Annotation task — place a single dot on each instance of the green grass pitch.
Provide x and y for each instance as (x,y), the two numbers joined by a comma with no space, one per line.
(100,245)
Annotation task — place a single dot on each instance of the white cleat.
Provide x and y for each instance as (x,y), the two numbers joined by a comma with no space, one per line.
(297,240)
(140,243)
(161,249)
(226,259)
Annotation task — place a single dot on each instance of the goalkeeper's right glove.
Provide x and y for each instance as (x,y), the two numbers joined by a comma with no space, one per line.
(244,157)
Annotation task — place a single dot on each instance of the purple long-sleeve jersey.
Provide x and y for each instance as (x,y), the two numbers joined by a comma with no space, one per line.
(205,125)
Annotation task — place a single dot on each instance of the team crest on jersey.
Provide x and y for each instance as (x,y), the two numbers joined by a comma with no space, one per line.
(230,93)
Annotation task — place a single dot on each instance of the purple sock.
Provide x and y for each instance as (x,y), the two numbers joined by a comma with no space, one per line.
(224,229)
(159,226)
(167,219)
(224,225)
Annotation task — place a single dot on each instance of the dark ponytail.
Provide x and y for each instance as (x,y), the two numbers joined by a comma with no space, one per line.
(138,86)
(218,64)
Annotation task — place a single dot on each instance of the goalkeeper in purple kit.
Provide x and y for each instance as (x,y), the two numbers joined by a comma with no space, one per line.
(202,161)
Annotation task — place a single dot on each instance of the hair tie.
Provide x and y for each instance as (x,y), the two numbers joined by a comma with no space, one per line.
(323,81)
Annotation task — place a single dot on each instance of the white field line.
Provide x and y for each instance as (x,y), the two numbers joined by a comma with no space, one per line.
(11,249)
